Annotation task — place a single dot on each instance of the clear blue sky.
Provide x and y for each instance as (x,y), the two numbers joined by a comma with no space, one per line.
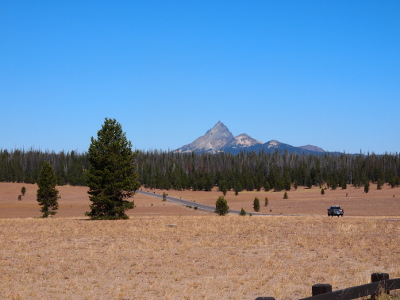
(325,73)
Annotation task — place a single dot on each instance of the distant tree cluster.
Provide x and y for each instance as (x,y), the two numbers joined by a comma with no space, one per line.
(256,171)
(25,166)
(236,172)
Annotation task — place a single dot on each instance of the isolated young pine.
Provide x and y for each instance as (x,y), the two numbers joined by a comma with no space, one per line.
(221,206)
(47,194)
(112,178)
(256,204)
(23,191)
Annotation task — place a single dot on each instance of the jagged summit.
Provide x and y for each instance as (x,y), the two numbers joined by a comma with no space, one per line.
(220,139)
(213,141)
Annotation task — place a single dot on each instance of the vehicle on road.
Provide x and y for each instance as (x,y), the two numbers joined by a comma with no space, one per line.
(335,211)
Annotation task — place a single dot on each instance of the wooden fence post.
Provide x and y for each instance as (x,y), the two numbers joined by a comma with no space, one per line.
(321,288)
(377,277)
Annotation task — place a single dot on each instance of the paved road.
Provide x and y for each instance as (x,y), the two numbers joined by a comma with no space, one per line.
(195,204)
(212,208)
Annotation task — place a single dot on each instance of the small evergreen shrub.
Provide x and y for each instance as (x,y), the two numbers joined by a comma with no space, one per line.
(221,206)
(256,204)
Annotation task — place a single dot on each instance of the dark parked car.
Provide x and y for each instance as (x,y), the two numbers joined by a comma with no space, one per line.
(335,211)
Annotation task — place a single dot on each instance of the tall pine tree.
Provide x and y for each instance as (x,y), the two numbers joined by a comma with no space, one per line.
(112,178)
(47,194)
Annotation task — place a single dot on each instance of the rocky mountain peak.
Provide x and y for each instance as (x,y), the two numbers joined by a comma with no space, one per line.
(213,141)
(220,139)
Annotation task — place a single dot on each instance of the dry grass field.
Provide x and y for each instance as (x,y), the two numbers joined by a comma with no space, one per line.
(166,251)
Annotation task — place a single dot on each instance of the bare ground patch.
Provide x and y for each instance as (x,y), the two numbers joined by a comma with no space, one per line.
(74,201)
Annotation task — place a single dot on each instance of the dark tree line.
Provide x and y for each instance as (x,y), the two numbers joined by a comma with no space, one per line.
(243,171)
(25,166)
(256,171)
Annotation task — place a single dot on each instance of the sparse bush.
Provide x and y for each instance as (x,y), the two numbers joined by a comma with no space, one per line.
(285,196)
(23,191)
(164,197)
(322,191)
(19,197)
(242,212)
(266,201)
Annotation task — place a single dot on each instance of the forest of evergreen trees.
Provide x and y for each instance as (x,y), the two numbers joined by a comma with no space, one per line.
(243,171)
(25,166)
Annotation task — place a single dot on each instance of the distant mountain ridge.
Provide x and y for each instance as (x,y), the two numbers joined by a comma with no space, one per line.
(220,139)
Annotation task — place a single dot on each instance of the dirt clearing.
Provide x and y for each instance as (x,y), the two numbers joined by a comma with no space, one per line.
(74,201)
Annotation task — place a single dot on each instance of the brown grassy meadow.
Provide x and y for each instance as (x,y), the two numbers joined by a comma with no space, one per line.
(166,251)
